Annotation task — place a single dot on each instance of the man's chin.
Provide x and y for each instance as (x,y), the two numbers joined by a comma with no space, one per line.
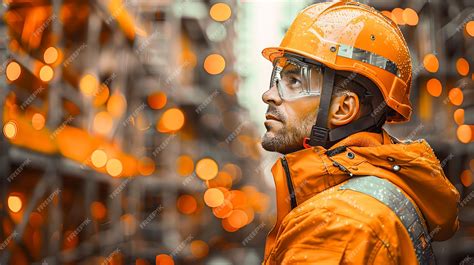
(270,142)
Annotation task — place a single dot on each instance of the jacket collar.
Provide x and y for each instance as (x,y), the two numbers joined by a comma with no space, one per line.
(300,175)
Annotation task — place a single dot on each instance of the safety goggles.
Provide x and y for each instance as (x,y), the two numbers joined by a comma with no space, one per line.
(294,78)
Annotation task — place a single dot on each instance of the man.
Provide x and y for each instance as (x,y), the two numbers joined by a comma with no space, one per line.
(348,192)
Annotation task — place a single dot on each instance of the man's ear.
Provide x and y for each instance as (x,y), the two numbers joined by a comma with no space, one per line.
(344,109)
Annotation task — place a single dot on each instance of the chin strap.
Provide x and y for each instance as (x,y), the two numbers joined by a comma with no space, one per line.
(323,136)
(319,132)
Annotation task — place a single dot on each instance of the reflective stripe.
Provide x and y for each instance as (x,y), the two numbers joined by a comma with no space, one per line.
(393,198)
(368,57)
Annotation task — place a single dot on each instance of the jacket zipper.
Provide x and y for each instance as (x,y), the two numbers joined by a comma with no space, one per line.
(289,183)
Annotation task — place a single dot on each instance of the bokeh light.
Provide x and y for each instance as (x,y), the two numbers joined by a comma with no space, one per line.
(103,122)
(99,158)
(114,167)
(186,204)
(434,87)
(184,165)
(466,178)
(459,116)
(456,96)
(50,55)
(410,16)
(214,64)
(220,12)
(157,100)
(431,63)
(146,166)
(397,16)
(462,66)
(464,133)
(10,129)
(89,84)
(470,28)
(38,121)
(164,259)
(206,168)
(117,104)
(46,73)
(14,203)
(98,210)
(199,249)
(171,121)
(213,197)
(13,71)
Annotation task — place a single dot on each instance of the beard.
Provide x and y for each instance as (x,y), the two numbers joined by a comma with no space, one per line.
(289,136)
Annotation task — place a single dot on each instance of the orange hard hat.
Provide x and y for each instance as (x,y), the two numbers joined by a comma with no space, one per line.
(350,36)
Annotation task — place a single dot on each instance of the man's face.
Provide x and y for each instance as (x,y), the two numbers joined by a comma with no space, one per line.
(287,122)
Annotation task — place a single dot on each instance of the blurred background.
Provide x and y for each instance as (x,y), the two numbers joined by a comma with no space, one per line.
(131,128)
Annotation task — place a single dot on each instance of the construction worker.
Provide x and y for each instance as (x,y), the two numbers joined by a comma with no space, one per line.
(347,191)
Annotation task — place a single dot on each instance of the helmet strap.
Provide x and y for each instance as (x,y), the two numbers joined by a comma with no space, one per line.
(319,132)
(321,135)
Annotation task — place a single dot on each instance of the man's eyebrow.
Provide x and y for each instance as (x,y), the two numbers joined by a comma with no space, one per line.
(291,71)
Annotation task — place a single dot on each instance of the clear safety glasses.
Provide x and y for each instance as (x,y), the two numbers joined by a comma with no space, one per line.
(295,79)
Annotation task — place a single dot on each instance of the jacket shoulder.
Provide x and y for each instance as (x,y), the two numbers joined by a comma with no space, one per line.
(355,225)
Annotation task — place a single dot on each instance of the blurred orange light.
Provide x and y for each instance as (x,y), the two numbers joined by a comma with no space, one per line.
(220,12)
(88,85)
(14,203)
(103,122)
(98,210)
(50,55)
(13,71)
(102,95)
(116,104)
(410,16)
(199,249)
(37,121)
(185,165)
(227,227)
(466,178)
(114,167)
(186,204)
(462,66)
(164,259)
(171,121)
(464,133)
(10,129)
(224,210)
(431,63)
(213,197)
(99,158)
(397,16)
(206,169)
(223,179)
(238,218)
(46,73)
(456,96)
(459,116)
(470,28)
(146,166)
(214,64)
(434,87)
(157,100)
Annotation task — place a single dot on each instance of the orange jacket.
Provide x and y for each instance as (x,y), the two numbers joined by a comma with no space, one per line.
(331,226)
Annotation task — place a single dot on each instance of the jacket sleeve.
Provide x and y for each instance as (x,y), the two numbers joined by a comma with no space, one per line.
(328,238)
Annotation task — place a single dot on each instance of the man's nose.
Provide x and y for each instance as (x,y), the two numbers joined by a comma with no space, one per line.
(272,96)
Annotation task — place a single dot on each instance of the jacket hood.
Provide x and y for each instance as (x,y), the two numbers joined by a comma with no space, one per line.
(410,165)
